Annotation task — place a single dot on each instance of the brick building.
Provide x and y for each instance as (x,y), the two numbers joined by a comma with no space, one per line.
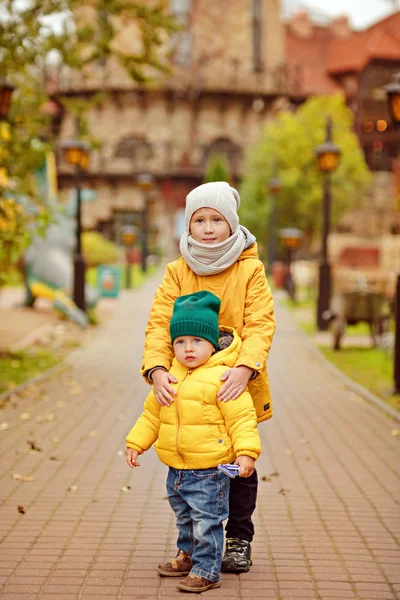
(229,72)
(331,58)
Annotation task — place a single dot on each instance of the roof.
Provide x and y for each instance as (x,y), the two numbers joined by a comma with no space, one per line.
(322,53)
(379,42)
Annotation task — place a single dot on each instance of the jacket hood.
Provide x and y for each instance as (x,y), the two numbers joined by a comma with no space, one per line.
(249,252)
(250,238)
(228,356)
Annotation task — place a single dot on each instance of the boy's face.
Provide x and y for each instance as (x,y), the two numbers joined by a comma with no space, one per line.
(191,351)
(208,226)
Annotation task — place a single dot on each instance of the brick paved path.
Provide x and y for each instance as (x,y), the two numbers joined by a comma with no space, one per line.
(328,518)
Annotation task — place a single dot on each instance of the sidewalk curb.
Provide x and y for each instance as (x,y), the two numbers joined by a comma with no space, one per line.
(347,382)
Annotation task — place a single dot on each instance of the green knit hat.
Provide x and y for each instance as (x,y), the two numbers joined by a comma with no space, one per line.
(197,315)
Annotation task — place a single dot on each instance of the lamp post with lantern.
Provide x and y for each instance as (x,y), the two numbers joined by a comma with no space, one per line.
(76,153)
(145,181)
(274,186)
(393,98)
(128,238)
(290,239)
(327,161)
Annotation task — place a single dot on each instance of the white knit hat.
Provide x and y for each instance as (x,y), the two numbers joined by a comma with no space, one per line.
(216,194)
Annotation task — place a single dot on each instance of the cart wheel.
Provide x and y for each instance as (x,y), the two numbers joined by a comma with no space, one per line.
(338,329)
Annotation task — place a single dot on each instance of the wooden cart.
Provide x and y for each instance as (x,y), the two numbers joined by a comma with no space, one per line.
(355,306)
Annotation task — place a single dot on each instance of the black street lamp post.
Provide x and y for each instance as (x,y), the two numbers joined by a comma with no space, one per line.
(6,91)
(290,239)
(274,186)
(76,153)
(145,182)
(393,98)
(327,161)
(128,237)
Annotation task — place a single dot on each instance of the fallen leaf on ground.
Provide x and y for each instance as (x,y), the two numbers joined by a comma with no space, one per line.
(21,509)
(305,441)
(265,478)
(45,418)
(4,426)
(75,391)
(284,492)
(395,432)
(16,476)
(54,458)
(72,488)
(34,446)
(125,488)
(120,453)
(25,416)
(55,439)
(289,451)
(308,459)
(60,404)
(274,474)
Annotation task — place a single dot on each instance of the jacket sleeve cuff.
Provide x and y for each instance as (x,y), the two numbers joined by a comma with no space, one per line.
(247,453)
(133,446)
(149,374)
(247,361)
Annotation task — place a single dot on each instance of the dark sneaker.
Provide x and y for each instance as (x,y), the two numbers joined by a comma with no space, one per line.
(181,565)
(237,557)
(197,584)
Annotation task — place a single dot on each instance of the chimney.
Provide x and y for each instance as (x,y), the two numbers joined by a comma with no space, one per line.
(301,25)
(340,27)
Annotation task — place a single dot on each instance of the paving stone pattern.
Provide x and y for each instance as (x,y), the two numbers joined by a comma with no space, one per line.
(327,521)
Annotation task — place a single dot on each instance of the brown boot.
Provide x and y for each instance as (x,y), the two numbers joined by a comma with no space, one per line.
(181,565)
(197,584)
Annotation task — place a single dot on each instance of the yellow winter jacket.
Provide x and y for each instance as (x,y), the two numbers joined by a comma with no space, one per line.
(197,431)
(246,306)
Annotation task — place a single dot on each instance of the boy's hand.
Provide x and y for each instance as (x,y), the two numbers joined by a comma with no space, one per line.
(162,390)
(131,456)
(236,381)
(246,464)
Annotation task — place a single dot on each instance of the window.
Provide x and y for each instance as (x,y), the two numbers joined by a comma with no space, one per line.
(182,40)
(257,33)
(134,148)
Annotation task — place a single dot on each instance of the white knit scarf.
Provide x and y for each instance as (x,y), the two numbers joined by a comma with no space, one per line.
(209,259)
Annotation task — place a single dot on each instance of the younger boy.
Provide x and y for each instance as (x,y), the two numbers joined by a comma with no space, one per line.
(194,435)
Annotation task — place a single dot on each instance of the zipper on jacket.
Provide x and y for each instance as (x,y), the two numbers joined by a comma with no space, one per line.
(178,432)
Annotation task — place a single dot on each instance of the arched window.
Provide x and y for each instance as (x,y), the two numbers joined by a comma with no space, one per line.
(224,146)
(134,148)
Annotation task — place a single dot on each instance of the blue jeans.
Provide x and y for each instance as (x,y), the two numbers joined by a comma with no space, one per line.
(200,500)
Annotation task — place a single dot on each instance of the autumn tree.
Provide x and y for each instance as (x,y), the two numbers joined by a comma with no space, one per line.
(286,149)
(38,35)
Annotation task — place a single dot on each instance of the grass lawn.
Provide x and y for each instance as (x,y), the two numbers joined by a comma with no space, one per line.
(17,367)
(372,368)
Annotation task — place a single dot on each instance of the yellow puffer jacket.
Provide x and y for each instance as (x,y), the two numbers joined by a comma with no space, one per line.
(246,306)
(197,431)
